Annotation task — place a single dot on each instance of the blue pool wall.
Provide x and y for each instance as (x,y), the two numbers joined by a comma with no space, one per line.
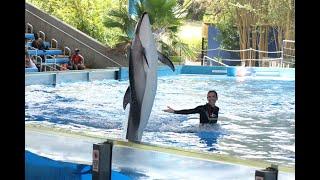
(52,78)
(217,70)
(122,73)
(39,167)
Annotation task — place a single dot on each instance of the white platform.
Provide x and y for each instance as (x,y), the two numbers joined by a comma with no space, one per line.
(137,163)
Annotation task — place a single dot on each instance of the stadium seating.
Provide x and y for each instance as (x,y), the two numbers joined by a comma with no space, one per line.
(50,59)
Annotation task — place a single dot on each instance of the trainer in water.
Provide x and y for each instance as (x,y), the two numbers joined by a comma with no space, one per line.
(208,112)
(143,60)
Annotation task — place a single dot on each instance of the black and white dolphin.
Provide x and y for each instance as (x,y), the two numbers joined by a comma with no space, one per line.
(143,62)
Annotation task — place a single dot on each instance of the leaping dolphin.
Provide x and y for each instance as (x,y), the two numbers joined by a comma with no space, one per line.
(143,61)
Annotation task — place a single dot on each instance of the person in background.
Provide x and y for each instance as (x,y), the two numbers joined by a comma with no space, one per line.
(76,60)
(38,43)
(208,112)
(28,62)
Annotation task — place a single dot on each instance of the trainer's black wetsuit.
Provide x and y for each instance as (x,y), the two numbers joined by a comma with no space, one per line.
(208,114)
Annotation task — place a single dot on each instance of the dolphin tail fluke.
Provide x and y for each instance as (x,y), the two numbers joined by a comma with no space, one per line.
(165,60)
(126,98)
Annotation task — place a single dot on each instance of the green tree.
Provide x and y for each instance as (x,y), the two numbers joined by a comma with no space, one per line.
(254,20)
(118,18)
(165,17)
(197,9)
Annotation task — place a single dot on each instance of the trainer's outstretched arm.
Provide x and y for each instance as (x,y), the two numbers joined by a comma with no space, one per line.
(170,110)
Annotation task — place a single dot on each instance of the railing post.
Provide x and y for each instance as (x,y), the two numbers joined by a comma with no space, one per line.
(66,51)
(270,173)
(281,61)
(27,28)
(202,50)
(102,161)
(42,35)
(250,56)
(55,42)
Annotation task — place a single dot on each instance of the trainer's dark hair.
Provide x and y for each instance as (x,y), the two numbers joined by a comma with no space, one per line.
(213,91)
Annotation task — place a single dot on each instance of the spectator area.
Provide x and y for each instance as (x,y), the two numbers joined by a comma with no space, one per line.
(50,59)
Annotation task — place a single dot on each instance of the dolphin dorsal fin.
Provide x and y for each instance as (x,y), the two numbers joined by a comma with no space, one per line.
(165,60)
(126,98)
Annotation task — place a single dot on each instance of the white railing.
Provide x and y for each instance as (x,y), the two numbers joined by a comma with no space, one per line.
(279,61)
(288,52)
(250,53)
(205,58)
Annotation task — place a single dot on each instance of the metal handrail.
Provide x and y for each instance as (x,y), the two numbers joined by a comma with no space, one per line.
(36,57)
(53,57)
(54,41)
(214,61)
(66,50)
(27,28)
(42,35)
(32,48)
(51,67)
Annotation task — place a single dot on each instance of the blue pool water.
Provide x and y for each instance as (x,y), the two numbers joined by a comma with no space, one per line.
(256,120)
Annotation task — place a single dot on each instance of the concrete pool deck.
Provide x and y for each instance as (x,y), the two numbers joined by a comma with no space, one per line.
(140,160)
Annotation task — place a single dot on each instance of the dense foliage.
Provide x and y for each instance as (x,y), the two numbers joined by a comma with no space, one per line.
(166,16)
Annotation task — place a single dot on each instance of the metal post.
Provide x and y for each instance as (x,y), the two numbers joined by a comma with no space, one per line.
(180,57)
(250,56)
(270,173)
(281,61)
(102,161)
(202,51)
(29,26)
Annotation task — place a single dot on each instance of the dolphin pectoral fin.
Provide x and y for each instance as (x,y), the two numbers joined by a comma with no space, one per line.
(165,60)
(145,57)
(126,98)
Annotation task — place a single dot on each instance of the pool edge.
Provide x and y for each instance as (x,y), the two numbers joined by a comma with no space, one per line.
(164,149)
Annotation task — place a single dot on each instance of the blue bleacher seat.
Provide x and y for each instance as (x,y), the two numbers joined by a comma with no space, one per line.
(29,36)
(60,60)
(28,44)
(45,52)
(46,44)
(31,69)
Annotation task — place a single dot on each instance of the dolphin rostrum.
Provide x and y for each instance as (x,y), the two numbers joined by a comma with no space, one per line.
(143,61)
